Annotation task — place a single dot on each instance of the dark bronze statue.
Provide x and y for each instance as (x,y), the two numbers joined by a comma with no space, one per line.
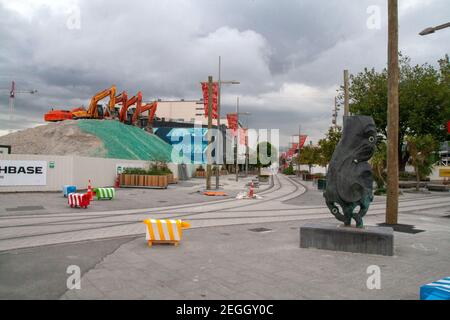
(349,177)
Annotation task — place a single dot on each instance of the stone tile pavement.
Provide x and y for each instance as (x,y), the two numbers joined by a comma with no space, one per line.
(231,262)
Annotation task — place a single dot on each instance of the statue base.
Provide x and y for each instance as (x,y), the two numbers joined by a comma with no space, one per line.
(335,237)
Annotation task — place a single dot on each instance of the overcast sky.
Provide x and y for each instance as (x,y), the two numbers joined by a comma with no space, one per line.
(289,55)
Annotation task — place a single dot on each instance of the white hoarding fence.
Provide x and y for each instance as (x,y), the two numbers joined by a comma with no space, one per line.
(122,166)
(23,173)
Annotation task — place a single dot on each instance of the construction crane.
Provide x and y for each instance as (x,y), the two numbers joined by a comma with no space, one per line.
(12,96)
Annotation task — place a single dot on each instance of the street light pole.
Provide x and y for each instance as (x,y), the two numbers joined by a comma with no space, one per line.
(237,138)
(219,132)
(299,146)
(346,95)
(431,30)
(393,115)
(208,150)
(247,156)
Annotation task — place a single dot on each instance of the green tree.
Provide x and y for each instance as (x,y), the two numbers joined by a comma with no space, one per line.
(424,100)
(422,155)
(328,145)
(379,164)
(309,155)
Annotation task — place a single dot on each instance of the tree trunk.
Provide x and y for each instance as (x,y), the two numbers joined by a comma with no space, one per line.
(416,168)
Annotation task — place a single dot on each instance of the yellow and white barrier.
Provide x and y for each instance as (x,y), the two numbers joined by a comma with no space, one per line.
(164,231)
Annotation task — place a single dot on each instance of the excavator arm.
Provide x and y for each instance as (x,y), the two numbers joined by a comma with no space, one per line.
(137,99)
(150,107)
(121,98)
(111,92)
(80,112)
(92,111)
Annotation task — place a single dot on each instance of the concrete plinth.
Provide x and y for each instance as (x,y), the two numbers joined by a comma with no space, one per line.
(335,237)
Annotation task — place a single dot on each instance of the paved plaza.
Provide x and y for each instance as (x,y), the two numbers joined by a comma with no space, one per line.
(235,249)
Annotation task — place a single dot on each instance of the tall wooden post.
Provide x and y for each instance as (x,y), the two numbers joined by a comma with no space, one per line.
(393,115)
(208,149)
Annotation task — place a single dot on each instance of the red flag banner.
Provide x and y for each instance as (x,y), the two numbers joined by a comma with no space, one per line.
(243,136)
(294,147)
(232,121)
(215,93)
(302,141)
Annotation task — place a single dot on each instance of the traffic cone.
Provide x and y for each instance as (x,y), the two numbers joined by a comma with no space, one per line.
(91,196)
(251,192)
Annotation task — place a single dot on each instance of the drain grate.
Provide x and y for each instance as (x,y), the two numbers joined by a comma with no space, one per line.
(402,228)
(260,230)
(25,208)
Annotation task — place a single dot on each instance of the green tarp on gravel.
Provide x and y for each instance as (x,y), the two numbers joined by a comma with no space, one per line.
(127,142)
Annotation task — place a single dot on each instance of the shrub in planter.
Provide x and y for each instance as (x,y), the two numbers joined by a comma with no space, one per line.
(289,171)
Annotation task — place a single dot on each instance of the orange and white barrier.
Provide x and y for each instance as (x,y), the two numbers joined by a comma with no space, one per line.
(164,231)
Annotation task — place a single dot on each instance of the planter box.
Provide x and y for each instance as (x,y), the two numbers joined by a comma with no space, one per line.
(144,181)
(162,181)
(200,174)
(170,179)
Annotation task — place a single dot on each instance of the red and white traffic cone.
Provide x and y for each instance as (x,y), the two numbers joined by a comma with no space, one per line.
(91,196)
(251,192)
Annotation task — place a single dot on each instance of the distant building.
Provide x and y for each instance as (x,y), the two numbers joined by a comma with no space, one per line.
(184,111)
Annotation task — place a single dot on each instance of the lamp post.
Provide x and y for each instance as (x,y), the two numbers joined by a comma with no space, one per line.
(219,135)
(431,30)
(237,136)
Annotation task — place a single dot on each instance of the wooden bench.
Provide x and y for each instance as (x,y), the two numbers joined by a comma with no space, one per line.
(437,187)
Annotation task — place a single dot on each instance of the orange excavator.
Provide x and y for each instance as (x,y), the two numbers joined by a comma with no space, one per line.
(151,108)
(122,98)
(137,99)
(94,111)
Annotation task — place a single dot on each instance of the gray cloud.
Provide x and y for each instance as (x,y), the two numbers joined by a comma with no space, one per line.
(288,54)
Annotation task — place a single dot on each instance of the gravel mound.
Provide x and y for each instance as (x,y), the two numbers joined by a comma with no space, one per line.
(60,138)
